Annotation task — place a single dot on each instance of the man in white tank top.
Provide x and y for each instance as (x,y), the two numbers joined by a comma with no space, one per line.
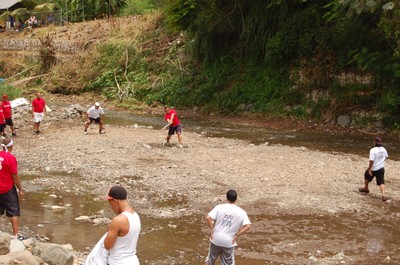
(123,231)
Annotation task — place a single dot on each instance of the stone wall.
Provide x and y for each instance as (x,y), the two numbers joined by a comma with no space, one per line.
(34,45)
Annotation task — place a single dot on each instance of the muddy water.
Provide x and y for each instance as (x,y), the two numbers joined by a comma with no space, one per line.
(274,239)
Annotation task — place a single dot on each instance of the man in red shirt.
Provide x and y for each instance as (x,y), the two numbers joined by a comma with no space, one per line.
(174,125)
(38,111)
(2,122)
(10,186)
(6,106)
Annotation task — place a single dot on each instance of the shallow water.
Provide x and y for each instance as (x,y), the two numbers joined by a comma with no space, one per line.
(359,145)
(274,239)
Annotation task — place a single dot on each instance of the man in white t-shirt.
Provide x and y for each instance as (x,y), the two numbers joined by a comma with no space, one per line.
(95,114)
(376,168)
(227,222)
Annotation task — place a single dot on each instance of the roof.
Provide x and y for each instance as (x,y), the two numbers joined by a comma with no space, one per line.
(5,4)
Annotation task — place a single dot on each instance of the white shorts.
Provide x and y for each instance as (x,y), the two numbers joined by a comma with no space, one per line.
(38,117)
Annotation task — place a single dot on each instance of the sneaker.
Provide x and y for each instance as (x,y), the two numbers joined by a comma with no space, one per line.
(165,144)
(364,190)
(384,198)
(101,132)
(20,237)
(14,134)
(85,132)
(180,146)
(34,132)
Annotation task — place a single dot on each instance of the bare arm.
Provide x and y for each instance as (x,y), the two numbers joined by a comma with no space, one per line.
(112,233)
(210,224)
(371,163)
(171,119)
(243,230)
(17,183)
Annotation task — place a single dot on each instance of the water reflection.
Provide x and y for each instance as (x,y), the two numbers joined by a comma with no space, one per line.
(359,145)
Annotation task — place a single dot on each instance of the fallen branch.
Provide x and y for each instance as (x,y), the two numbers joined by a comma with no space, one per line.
(21,81)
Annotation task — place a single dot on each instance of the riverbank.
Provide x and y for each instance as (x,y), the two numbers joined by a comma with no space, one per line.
(275,184)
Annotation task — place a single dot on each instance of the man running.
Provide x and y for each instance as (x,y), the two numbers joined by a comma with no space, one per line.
(174,125)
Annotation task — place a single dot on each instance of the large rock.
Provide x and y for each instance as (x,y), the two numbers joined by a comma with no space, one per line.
(20,257)
(53,254)
(4,243)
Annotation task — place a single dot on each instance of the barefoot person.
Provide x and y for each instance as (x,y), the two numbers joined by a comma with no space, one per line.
(227,222)
(95,114)
(7,111)
(123,231)
(376,168)
(10,186)
(174,125)
(38,111)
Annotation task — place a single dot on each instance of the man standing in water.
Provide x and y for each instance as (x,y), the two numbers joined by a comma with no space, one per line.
(174,125)
(123,231)
(227,222)
(38,111)
(10,186)
(376,168)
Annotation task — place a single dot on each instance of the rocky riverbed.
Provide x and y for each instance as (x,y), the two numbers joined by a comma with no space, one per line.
(174,183)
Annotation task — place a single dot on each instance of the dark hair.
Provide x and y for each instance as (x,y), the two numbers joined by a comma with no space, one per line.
(378,141)
(231,195)
(118,193)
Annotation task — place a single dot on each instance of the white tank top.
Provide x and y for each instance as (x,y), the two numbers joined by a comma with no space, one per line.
(124,250)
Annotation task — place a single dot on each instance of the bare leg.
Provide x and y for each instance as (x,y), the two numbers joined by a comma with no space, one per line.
(366,184)
(179,138)
(168,137)
(382,187)
(15,224)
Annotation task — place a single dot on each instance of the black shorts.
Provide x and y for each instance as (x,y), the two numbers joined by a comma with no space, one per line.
(9,122)
(97,120)
(379,174)
(175,129)
(2,127)
(9,203)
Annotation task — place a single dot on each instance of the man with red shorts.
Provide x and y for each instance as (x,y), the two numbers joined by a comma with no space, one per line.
(38,111)
(174,125)
(10,186)
(6,106)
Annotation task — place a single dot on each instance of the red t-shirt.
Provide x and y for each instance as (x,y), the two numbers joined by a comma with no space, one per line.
(38,105)
(175,120)
(8,166)
(6,106)
(2,120)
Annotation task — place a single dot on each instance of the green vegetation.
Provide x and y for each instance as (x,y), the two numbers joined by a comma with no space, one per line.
(304,58)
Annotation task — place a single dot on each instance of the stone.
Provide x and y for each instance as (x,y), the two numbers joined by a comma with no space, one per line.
(343,120)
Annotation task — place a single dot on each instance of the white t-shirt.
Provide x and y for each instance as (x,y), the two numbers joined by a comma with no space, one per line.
(95,113)
(378,154)
(229,218)
(124,250)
